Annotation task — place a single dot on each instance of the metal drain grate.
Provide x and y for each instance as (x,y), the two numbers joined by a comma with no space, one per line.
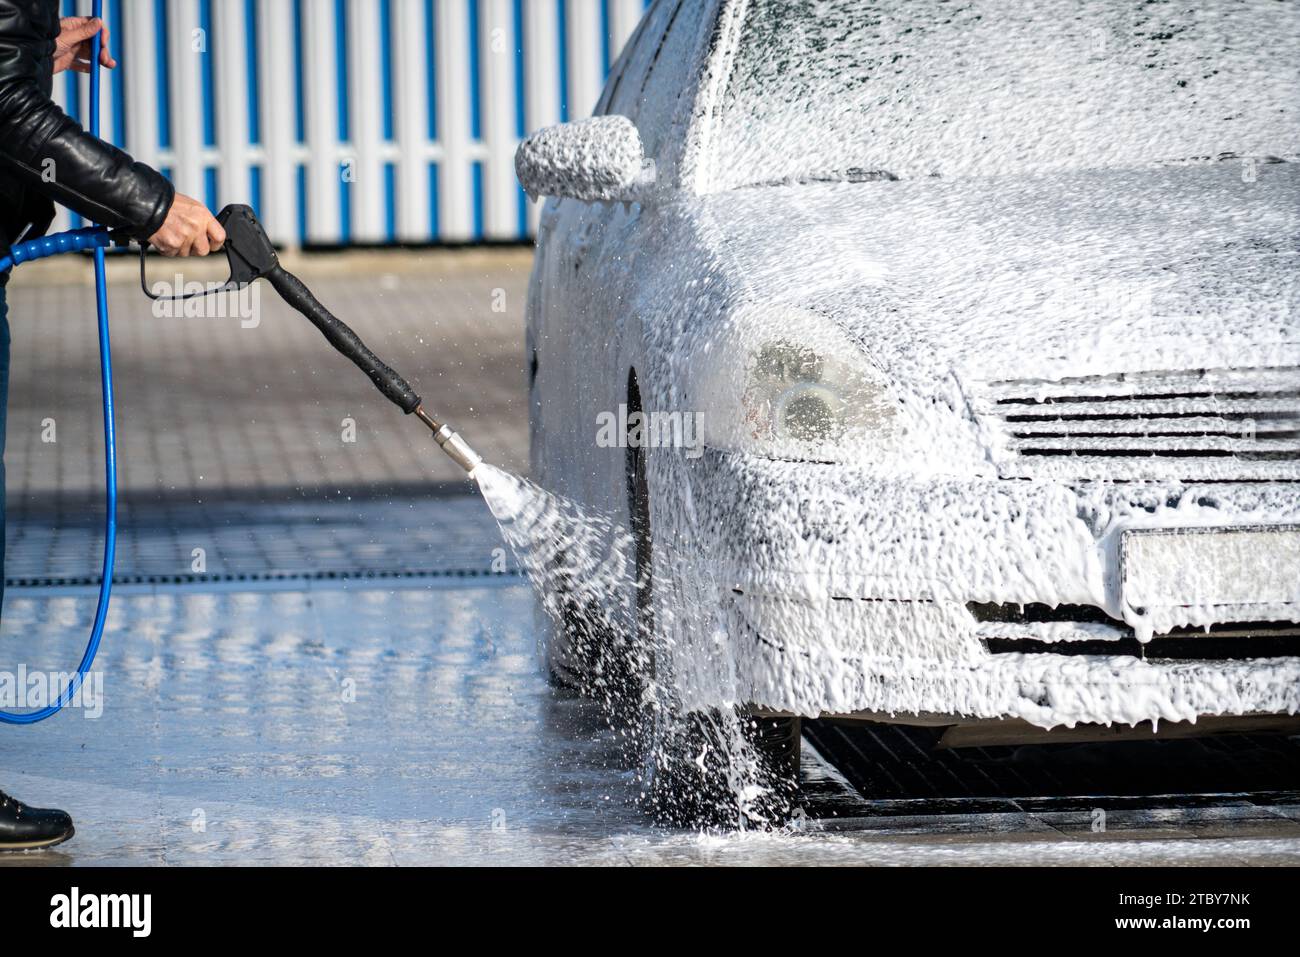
(892,762)
(389,540)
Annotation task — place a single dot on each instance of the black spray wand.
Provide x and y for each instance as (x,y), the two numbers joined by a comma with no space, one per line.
(252,257)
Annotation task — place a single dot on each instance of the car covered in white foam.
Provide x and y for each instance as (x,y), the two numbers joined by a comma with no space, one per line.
(942,359)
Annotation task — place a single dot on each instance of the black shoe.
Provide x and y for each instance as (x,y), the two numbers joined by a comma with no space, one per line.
(24,828)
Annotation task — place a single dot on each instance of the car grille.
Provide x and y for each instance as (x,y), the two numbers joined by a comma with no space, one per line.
(1197,425)
(1087,630)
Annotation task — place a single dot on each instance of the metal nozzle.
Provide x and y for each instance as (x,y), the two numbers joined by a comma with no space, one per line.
(450,442)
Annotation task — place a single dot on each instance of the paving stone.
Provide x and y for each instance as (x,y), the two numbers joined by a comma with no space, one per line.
(207,408)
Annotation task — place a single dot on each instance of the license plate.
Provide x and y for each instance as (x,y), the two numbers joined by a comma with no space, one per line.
(1196,567)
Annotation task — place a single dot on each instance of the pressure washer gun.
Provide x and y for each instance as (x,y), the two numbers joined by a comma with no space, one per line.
(252,257)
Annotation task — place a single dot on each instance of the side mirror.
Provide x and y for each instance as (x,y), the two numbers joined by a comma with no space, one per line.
(595,160)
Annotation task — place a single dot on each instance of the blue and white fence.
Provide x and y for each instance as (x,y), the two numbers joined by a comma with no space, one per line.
(352,121)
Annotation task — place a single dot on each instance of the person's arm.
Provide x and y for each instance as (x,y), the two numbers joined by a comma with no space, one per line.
(54,156)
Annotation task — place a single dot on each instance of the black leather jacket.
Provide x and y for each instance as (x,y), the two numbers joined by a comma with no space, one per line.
(45,155)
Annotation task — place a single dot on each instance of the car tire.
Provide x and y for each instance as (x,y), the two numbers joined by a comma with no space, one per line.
(685,759)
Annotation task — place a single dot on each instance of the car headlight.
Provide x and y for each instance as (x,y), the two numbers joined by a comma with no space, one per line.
(794,386)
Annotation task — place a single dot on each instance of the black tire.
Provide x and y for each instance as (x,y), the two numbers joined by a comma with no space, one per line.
(687,760)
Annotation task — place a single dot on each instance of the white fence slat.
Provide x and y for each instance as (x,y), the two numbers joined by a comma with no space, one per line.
(275,70)
(586,75)
(140,74)
(497,56)
(366,129)
(185,65)
(541,64)
(455,192)
(324,179)
(541,76)
(230,71)
(411,68)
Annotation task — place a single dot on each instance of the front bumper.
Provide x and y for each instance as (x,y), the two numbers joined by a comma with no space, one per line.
(846,592)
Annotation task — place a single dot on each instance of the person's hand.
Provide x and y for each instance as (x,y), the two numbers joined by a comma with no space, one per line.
(72,48)
(189,230)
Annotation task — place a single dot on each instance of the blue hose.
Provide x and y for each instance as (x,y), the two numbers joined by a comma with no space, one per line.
(90,238)
(73,241)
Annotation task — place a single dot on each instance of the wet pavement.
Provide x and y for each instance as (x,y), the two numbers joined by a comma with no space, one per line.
(210,408)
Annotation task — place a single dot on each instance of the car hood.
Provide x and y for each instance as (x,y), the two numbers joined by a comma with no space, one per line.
(1095,272)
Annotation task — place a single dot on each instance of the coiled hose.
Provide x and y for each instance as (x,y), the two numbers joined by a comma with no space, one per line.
(95,238)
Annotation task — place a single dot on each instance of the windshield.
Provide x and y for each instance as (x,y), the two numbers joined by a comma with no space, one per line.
(823,89)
